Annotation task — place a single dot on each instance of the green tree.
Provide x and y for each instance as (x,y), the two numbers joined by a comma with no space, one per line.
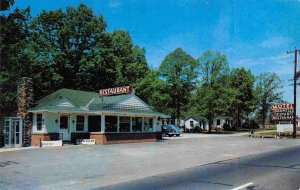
(14,60)
(130,60)
(153,90)
(72,44)
(268,92)
(64,49)
(6,4)
(210,98)
(241,94)
(180,71)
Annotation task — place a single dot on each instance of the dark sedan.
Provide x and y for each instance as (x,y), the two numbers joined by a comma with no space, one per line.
(170,130)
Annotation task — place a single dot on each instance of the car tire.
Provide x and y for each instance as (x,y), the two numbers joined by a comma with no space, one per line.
(177,135)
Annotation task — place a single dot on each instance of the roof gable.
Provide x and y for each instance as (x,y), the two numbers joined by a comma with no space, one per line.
(134,101)
(64,102)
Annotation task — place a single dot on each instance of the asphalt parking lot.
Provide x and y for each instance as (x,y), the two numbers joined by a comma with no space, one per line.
(88,167)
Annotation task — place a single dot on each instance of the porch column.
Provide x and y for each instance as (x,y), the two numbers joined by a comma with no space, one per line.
(154,124)
(102,123)
(131,124)
(118,124)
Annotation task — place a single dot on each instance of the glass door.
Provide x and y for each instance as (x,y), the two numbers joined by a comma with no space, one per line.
(7,133)
(17,132)
(13,132)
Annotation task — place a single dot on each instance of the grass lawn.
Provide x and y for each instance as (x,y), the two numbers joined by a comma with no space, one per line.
(274,133)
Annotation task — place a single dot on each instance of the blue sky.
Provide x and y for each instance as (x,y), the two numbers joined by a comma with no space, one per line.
(255,34)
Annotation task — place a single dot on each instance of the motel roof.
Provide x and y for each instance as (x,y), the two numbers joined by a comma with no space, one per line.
(67,100)
(197,118)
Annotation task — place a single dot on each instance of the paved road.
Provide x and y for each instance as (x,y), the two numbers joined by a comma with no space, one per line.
(273,170)
(92,167)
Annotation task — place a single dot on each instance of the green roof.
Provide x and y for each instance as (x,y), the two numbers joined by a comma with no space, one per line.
(82,101)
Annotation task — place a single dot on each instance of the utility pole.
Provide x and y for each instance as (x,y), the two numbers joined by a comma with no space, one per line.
(296,76)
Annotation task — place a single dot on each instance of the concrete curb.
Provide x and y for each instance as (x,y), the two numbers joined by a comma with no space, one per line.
(16,149)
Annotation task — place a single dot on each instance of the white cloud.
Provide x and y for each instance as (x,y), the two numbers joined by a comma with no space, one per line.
(276,41)
(275,61)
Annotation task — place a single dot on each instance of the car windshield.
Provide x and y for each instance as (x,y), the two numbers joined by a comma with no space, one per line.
(172,127)
(167,127)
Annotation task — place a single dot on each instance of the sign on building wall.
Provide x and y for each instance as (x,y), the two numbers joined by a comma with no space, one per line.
(281,112)
(115,91)
(85,141)
(51,143)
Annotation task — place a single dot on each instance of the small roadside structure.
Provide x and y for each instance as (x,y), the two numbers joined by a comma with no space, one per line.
(220,121)
(70,115)
(168,120)
(193,122)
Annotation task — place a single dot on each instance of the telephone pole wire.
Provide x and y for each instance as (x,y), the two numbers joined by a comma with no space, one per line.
(296,75)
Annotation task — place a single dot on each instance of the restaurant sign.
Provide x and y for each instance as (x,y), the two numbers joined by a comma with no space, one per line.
(115,91)
(282,112)
(86,141)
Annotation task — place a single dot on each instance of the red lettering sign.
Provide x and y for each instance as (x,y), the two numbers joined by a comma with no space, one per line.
(282,107)
(115,91)
(282,112)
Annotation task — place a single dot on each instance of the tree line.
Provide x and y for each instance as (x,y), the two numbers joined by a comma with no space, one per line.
(72,49)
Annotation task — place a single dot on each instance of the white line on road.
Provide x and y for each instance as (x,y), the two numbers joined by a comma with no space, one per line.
(242,186)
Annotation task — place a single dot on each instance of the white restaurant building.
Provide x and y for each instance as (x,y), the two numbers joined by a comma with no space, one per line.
(69,115)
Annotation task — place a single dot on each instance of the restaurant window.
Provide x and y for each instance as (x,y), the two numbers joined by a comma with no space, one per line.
(148,124)
(124,124)
(39,121)
(64,122)
(111,123)
(137,123)
(80,123)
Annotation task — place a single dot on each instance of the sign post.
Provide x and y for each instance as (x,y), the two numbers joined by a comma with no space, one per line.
(284,112)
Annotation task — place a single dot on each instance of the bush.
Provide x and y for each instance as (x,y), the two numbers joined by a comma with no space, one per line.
(197,129)
(226,127)
(253,125)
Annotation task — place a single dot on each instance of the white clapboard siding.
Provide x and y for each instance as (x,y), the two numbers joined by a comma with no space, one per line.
(64,103)
(134,102)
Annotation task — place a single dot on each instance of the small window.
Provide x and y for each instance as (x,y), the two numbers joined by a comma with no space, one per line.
(124,124)
(218,122)
(80,123)
(137,123)
(148,124)
(111,123)
(64,122)
(39,121)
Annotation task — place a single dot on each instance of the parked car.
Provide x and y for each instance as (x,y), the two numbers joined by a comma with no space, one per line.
(171,130)
(166,130)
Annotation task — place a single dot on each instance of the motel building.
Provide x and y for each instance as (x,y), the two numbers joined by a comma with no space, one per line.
(114,115)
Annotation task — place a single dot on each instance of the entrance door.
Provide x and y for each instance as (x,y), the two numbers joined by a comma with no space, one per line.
(13,132)
(65,128)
